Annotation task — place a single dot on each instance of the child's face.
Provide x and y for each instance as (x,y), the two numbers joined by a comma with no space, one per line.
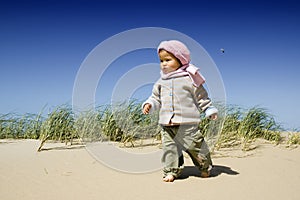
(168,62)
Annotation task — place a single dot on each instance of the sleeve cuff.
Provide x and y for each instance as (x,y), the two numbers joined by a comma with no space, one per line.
(210,110)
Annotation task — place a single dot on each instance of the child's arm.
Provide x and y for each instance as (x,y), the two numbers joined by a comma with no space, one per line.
(153,102)
(205,103)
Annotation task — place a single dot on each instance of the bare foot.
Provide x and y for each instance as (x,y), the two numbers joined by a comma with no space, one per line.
(205,174)
(169,178)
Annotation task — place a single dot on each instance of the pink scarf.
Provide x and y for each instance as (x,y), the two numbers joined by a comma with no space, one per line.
(188,69)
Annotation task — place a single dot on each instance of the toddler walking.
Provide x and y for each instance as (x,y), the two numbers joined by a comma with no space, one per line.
(179,96)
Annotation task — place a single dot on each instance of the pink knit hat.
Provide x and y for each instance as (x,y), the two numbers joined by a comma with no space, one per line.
(177,48)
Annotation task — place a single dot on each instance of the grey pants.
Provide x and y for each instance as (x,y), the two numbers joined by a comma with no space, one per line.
(188,138)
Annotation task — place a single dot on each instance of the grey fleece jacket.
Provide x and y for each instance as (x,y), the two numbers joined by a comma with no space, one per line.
(179,101)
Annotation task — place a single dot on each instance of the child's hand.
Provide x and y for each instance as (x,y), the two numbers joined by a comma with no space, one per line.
(146,108)
(213,116)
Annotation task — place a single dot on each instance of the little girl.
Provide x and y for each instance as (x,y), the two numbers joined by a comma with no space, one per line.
(179,96)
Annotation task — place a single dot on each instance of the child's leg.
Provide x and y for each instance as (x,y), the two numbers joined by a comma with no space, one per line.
(203,162)
(197,148)
(172,160)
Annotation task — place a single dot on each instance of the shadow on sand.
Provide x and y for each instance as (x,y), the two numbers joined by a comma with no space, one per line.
(216,171)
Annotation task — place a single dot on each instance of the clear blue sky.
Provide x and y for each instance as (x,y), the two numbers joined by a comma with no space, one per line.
(43,43)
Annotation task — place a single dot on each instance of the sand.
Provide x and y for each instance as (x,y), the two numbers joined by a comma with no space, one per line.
(269,172)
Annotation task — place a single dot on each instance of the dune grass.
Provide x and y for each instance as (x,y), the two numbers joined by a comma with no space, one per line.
(59,126)
(293,138)
(243,126)
(13,126)
(126,124)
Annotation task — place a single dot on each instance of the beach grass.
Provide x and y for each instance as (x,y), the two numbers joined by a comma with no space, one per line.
(243,126)
(125,123)
(293,138)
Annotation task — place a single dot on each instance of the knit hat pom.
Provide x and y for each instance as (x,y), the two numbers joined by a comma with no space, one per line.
(177,48)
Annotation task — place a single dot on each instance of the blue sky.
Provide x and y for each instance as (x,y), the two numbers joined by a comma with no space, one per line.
(43,43)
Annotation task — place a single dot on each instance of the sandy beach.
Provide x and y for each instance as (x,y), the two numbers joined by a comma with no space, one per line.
(60,172)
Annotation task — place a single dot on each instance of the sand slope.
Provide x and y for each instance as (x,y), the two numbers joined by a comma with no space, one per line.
(60,173)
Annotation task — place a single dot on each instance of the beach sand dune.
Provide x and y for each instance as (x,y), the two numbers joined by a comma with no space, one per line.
(272,172)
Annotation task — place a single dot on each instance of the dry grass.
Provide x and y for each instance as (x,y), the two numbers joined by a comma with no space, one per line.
(125,123)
